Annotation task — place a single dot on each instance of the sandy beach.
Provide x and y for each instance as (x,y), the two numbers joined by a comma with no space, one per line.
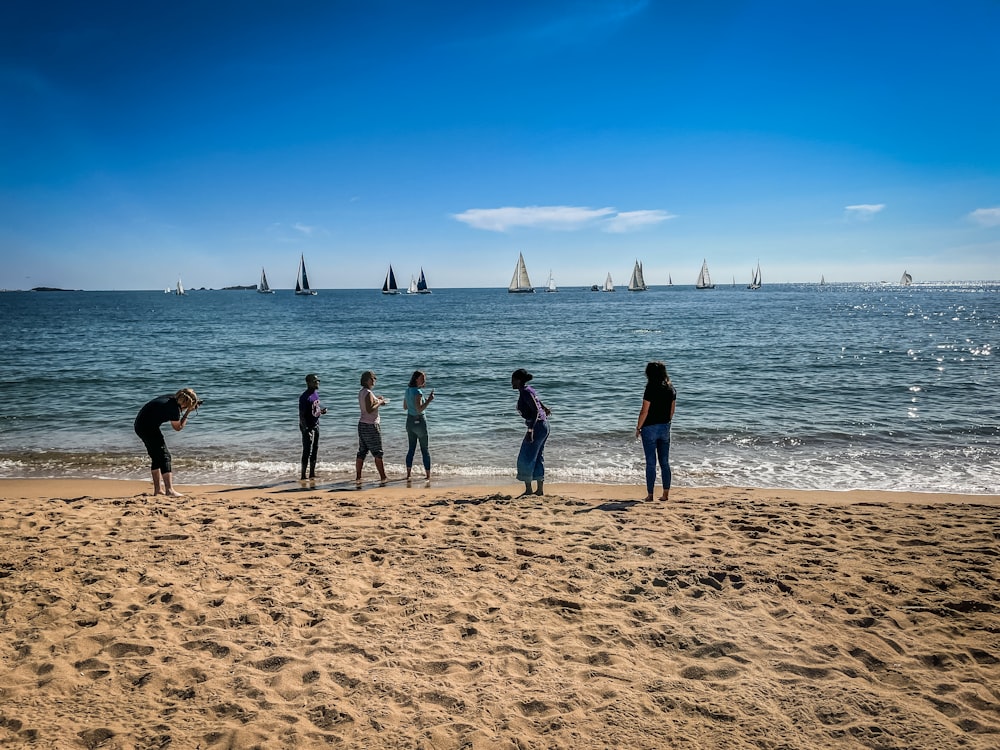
(464,617)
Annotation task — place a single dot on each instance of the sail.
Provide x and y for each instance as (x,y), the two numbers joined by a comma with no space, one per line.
(264,287)
(412,288)
(389,285)
(302,281)
(670,280)
(755,282)
(822,279)
(608,284)
(704,280)
(550,285)
(180,286)
(637,283)
(520,282)
(422,287)
(906,279)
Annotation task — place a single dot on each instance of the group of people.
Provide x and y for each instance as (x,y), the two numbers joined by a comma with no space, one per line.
(659,400)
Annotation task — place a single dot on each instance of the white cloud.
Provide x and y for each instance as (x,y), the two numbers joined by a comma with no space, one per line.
(559,218)
(626,221)
(863,211)
(306,230)
(987,217)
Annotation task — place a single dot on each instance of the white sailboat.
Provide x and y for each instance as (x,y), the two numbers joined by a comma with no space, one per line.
(608,284)
(704,280)
(550,285)
(637,283)
(263,287)
(180,287)
(422,287)
(302,280)
(755,282)
(412,288)
(520,283)
(822,279)
(389,285)
(906,279)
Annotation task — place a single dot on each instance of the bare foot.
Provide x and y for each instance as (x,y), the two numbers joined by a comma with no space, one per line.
(173,493)
(663,498)
(649,498)
(539,493)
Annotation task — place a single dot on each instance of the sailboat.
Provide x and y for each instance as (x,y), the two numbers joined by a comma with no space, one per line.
(755,282)
(520,283)
(412,288)
(389,285)
(302,281)
(637,283)
(704,280)
(906,279)
(822,279)
(422,287)
(180,287)
(550,285)
(608,284)
(263,287)
(670,280)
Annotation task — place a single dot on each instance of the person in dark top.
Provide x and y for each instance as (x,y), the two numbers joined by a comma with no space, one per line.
(658,403)
(531,458)
(173,408)
(310,411)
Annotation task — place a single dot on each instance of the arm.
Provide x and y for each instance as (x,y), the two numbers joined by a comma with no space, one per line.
(373,402)
(423,403)
(179,424)
(643,413)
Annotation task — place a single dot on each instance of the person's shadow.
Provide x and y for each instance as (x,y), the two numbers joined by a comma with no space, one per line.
(611,506)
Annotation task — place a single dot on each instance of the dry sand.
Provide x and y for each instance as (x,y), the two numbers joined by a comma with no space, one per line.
(464,617)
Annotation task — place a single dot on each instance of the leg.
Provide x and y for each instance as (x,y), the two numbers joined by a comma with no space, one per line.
(649,450)
(425,454)
(306,450)
(411,439)
(168,487)
(381,468)
(663,449)
(156,481)
(314,454)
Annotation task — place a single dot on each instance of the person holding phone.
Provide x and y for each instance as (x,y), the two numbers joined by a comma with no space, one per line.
(171,407)
(369,429)
(416,426)
(310,410)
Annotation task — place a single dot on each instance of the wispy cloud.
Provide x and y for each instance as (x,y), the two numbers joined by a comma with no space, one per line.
(987,217)
(304,228)
(559,218)
(862,211)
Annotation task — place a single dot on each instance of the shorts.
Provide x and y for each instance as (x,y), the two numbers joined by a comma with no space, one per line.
(369,439)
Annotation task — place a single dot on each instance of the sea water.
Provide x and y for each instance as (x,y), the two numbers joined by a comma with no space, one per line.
(796,386)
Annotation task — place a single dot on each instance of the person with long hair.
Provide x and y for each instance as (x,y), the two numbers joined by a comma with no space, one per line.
(659,400)
(174,408)
(531,457)
(416,426)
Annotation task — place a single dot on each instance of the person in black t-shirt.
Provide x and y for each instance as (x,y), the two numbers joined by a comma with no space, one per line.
(173,408)
(658,403)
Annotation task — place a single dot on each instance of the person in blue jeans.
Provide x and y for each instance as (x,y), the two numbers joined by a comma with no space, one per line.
(531,458)
(658,403)
(416,426)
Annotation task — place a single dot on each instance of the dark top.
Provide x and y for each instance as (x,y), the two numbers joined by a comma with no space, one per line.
(529,407)
(660,396)
(161,409)
(309,410)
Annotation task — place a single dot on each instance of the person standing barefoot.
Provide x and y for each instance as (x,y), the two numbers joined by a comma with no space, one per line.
(369,429)
(174,408)
(659,400)
(531,457)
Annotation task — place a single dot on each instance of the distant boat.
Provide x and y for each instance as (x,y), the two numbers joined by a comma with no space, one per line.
(263,287)
(412,288)
(422,287)
(608,284)
(302,280)
(550,285)
(670,281)
(389,285)
(637,283)
(180,287)
(520,283)
(704,280)
(595,288)
(906,279)
(822,280)
(755,282)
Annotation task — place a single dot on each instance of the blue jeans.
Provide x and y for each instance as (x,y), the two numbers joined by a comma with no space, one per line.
(416,429)
(531,459)
(656,446)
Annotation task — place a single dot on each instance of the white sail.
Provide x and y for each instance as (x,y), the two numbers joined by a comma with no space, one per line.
(550,285)
(906,279)
(755,282)
(608,284)
(822,279)
(412,288)
(520,283)
(302,281)
(180,287)
(637,283)
(704,280)
(263,287)
(422,287)
(389,285)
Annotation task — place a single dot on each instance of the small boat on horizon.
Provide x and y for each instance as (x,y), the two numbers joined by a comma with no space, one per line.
(422,287)
(637,283)
(704,280)
(550,285)
(263,287)
(905,279)
(608,284)
(755,282)
(520,283)
(302,287)
(180,288)
(389,285)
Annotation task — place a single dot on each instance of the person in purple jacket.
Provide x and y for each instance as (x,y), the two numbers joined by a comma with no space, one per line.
(310,411)
(174,408)
(531,458)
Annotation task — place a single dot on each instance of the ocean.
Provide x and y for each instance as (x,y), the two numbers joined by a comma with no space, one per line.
(838,387)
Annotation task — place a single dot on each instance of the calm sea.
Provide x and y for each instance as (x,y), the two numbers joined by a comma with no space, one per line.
(804,386)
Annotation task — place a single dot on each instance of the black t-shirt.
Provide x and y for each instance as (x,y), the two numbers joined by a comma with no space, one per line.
(660,397)
(161,409)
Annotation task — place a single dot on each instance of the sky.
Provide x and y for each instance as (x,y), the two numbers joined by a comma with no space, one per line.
(141,142)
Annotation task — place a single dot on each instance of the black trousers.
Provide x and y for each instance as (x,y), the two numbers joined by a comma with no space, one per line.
(156,447)
(310,449)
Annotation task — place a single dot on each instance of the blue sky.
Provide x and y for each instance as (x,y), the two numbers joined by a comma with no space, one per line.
(140,141)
